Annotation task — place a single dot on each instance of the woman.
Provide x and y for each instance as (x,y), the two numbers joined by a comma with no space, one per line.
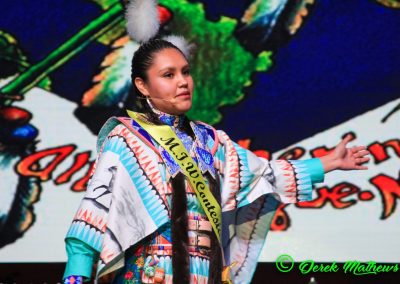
(143,214)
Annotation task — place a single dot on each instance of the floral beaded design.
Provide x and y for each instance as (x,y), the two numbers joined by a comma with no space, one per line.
(131,274)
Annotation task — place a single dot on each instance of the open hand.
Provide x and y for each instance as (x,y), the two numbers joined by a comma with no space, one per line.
(344,158)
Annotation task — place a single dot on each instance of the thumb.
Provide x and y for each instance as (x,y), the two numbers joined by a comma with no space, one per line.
(347,139)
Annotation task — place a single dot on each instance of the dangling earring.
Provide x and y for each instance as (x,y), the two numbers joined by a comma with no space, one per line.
(153,109)
(150,105)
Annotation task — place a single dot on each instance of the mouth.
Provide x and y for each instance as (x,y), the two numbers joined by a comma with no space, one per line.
(184,94)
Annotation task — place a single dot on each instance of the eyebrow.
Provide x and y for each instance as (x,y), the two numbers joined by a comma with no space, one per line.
(173,68)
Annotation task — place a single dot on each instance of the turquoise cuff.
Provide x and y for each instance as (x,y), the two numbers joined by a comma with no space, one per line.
(315,169)
(80,259)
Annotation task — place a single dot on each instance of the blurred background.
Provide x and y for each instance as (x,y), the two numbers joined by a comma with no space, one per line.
(286,79)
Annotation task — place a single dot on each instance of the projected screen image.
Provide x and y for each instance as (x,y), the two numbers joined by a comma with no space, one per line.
(285,80)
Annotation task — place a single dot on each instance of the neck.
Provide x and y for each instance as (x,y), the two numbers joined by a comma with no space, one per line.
(169,119)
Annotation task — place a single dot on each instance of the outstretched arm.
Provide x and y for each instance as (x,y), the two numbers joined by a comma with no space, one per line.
(343,158)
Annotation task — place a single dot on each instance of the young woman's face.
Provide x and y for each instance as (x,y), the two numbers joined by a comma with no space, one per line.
(170,84)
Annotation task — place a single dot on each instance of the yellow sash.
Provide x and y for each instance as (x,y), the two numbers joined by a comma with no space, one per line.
(167,138)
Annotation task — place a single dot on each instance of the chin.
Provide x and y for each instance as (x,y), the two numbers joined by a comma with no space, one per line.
(184,108)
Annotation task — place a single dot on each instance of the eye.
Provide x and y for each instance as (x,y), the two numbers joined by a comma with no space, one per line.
(186,72)
(168,75)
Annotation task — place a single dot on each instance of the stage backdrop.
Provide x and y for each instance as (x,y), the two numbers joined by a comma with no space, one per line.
(284,78)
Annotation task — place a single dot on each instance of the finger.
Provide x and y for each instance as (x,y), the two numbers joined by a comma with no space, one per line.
(347,139)
(361,168)
(361,154)
(355,149)
(362,160)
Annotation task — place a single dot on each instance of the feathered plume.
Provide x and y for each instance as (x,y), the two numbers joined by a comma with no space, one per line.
(112,84)
(181,43)
(142,20)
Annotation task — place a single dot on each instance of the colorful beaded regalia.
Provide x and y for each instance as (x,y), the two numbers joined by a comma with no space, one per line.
(124,220)
(125,215)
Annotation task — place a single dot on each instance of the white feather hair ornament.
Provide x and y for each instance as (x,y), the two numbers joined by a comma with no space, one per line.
(181,43)
(142,21)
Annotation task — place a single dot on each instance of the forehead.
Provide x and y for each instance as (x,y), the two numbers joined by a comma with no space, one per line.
(169,58)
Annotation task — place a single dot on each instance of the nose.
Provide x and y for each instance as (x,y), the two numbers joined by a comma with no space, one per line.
(182,82)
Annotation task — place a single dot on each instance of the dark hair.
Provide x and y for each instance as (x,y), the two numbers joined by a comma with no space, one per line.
(141,62)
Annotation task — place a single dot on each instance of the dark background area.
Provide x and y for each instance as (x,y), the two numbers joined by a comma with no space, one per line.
(50,273)
(344,61)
